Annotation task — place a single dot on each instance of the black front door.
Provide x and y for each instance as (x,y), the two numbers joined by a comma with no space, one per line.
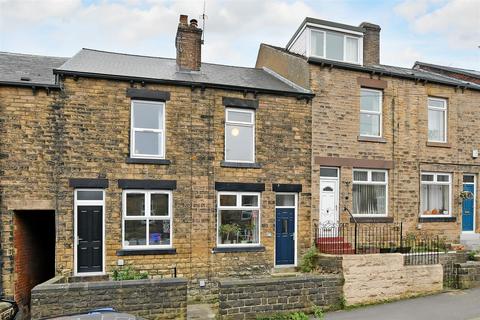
(89,239)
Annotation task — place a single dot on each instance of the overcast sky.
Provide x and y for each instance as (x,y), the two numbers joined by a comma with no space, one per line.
(437,31)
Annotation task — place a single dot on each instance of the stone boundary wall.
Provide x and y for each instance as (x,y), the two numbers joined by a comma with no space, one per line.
(150,299)
(375,278)
(246,299)
(468,274)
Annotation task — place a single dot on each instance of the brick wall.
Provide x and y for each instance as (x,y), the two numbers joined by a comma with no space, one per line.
(149,299)
(246,299)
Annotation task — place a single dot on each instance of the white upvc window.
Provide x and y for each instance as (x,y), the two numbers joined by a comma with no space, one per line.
(370,112)
(435,194)
(147,219)
(147,129)
(239,135)
(335,46)
(370,192)
(238,219)
(437,120)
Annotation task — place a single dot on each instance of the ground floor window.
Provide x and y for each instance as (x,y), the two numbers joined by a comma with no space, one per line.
(370,192)
(435,194)
(147,219)
(238,218)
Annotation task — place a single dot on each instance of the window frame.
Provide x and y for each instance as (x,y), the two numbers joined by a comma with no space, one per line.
(380,112)
(147,218)
(370,182)
(133,129)
(345,36)
(444,109)
(242,124)
(435,182)
(238,207)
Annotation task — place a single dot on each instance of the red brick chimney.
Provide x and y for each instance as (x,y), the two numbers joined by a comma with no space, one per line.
(189,45)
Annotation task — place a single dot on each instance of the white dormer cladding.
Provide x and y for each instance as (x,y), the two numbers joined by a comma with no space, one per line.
(327,42)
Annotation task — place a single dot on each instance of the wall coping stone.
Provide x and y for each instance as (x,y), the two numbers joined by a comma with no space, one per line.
(228,283)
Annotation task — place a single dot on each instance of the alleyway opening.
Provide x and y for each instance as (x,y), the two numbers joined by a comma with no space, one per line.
(34,240)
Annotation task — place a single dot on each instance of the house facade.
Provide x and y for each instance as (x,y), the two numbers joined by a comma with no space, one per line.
(389,144)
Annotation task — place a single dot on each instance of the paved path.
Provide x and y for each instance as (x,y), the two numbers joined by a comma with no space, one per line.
(454,305)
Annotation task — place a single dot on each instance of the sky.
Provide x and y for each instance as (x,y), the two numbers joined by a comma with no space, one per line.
(443,32)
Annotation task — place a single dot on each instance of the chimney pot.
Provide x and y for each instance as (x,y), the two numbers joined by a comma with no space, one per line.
(194,23)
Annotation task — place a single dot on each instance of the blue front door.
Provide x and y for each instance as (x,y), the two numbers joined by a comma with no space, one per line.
(468,208)
(285,236)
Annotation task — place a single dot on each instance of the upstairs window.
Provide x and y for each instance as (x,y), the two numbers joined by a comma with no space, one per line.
(147,129)
(370,113)
(437,120)
(335,46)
(370,192)
(239,135)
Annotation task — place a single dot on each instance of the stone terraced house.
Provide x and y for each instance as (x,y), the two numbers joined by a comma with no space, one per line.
(174,166)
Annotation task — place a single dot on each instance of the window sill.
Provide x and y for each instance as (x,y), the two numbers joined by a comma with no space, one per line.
(238,249)
(439,144)
(145,252)
(148,161)
(437,219)
(231,164)
(372,219)
(371,139)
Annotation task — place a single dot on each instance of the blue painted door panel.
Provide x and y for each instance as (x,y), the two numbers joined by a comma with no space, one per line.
(468,209)
(285,236)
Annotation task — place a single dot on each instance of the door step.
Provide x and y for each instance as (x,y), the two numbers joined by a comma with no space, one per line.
(284,272)
(471,241)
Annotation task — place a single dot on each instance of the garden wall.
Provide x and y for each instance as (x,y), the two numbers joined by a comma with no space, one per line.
(150,299)
(246,299)
(468,274)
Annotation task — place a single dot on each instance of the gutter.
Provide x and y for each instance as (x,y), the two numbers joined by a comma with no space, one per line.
(192,84)
(32,85)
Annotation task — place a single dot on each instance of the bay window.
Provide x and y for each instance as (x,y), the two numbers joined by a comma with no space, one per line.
(147,129)
(238,218)
(147,219)
(370,190)
(437,120)
(435,194)
(370,113)
(239,135)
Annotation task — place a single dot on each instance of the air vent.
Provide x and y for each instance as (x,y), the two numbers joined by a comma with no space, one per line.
(25,79)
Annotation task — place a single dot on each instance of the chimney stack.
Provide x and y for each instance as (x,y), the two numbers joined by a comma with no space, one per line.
(189,45)
(371,43)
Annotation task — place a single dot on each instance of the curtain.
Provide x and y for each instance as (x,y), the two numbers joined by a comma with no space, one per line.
(369,199)
(435,199)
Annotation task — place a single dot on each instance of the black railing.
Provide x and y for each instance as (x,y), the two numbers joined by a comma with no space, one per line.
(422,249)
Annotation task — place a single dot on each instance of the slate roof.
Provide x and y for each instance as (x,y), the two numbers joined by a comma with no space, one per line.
(113,65)
(39,69)
(468,72)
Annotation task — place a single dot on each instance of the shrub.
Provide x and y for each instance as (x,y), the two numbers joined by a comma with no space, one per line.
(128,274)
(318,312)
(285,316)
(309,260)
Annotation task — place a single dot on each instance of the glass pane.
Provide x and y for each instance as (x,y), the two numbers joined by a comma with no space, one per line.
(351,52)
(443,177)
(369,124)
(369,199)
(159,232)
(89,195)
(285,200)
(370,100)
(147,116)
(148,143)
(469,179)
(378,176)
(135,204)
(334,49)
(317,43)
(436,125)
(435,199)
(238,143)
(360,175)
(238,226)
(436,103)
(427,177)
(135,232)
(159,204)
(328,172)
(239,116)
(249,201)
(228,200)
(284,225)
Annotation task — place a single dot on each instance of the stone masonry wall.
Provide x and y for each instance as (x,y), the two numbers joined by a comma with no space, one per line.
(149,299)
(246,299)
(375,278)
(468,274)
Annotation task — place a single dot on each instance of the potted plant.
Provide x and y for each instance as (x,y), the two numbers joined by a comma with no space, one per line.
(225,230)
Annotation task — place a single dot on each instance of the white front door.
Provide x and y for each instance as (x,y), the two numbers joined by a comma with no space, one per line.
(328,201)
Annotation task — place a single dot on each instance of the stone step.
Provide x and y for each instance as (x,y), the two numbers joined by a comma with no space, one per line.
(201,311)
(283,270)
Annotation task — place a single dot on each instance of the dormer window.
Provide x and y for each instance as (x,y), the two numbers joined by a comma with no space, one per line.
(334,45)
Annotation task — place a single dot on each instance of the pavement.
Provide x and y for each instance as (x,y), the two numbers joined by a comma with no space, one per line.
(452,305)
